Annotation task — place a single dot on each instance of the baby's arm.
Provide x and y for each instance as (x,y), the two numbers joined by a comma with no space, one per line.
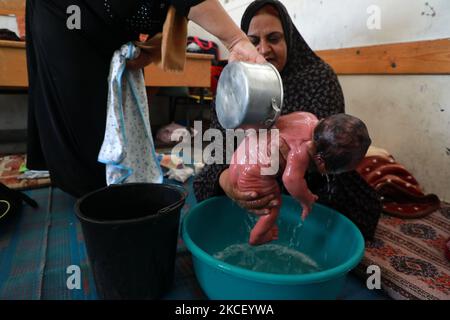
(294,178)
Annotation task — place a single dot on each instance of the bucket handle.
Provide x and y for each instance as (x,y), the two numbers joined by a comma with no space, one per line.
(177,203)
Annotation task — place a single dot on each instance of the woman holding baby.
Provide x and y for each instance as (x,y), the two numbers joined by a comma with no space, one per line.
(309,85)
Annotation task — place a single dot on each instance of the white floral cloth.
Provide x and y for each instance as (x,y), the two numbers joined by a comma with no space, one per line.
(128,149)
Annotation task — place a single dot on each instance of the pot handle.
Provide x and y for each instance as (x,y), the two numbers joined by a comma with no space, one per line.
(270,122)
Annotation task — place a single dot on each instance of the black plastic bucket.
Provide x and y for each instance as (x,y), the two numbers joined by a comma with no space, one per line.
(131,234)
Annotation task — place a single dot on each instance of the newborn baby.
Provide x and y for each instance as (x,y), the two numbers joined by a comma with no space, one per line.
(333,145)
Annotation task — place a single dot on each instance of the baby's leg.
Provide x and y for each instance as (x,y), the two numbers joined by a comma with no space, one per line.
(266,229)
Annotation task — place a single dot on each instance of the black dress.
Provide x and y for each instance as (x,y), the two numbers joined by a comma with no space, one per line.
(68,72)
(309,85)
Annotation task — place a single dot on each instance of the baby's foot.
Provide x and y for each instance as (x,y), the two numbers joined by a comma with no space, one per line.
(274,232)
(256,240)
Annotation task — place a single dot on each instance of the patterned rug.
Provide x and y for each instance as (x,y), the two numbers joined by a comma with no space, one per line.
(411,256)
(10,169)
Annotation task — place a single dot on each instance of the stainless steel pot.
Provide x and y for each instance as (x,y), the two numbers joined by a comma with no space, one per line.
(249,94)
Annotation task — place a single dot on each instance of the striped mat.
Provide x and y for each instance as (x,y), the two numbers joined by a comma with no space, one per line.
(38,245)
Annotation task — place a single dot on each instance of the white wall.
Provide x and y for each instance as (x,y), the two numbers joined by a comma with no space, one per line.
(9,22)
(329,24)
(410,117)
(332,24)
(407,115)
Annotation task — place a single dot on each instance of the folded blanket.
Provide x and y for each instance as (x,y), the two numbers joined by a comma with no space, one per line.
(400,192)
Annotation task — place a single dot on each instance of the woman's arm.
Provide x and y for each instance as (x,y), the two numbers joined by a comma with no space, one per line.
(211,16)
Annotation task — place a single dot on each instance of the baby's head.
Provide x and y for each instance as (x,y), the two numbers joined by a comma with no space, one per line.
(340,143)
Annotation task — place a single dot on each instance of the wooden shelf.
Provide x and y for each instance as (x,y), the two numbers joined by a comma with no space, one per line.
(197,73)
(420,57)
(13,65)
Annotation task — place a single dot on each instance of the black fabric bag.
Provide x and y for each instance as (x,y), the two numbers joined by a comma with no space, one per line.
(11,202)
(6,34)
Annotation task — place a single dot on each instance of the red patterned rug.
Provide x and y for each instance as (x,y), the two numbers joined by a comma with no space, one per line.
(411,254)
(10,171)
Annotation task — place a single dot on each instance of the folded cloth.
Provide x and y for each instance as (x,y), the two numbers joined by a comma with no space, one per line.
(34,174)
(198,167)
(170,161)
(400,192)
(128,149)
(181,175)
(168,49)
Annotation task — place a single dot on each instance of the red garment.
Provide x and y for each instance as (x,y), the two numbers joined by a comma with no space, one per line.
(400,191)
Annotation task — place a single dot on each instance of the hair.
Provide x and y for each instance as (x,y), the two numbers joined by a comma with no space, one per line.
(268,9)
(341,141)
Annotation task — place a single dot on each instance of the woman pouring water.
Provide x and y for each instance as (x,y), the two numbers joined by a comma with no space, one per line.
(309,85)
(68,70)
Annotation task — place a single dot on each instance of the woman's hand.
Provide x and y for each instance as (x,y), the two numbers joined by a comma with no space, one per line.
(213,18)
(259,205)
(143,60)
(244,50)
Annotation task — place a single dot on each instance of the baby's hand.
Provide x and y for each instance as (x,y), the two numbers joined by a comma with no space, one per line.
(307,207)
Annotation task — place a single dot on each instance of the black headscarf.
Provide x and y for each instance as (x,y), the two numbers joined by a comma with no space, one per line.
(309,83)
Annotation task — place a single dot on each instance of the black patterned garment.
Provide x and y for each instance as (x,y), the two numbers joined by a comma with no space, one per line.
(144,16)
(140,17)
(68,80)
(310,85)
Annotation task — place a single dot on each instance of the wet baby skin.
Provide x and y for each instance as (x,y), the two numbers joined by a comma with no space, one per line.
(293,146)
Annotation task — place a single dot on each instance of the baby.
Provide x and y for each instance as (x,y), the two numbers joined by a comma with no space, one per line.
(333,145)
